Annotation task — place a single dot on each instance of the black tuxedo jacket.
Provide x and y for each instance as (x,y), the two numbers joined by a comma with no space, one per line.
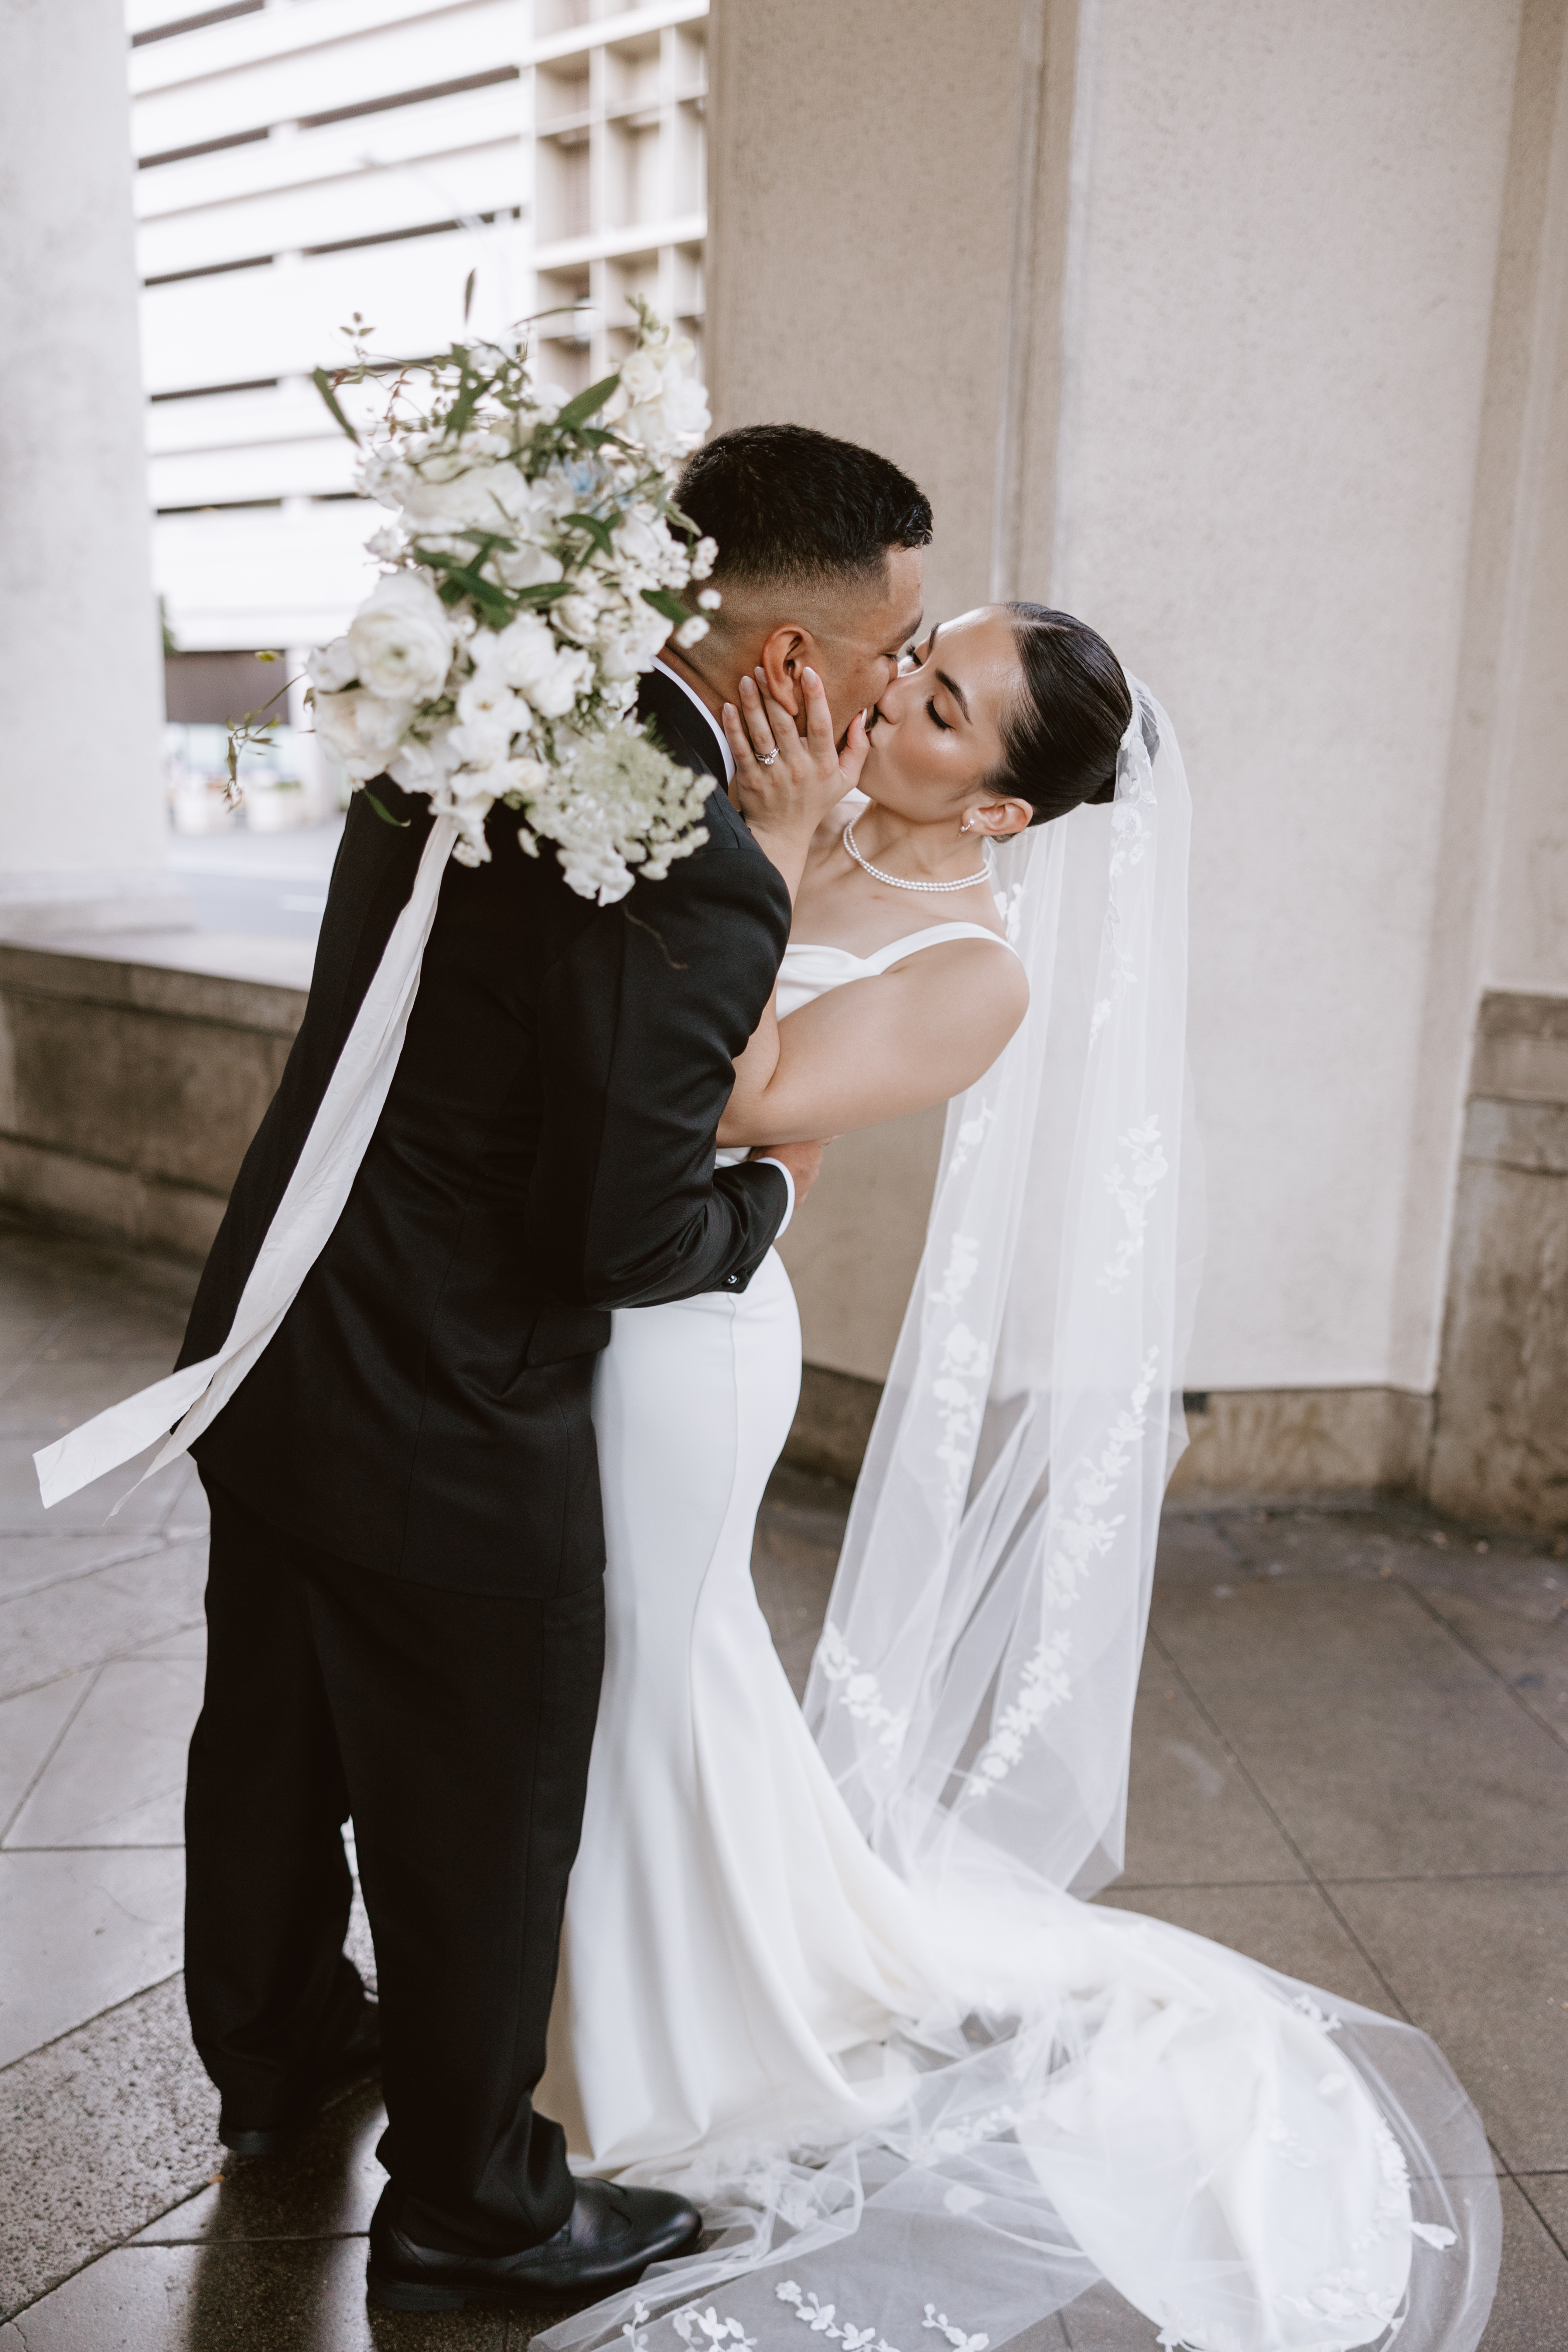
(545,1153)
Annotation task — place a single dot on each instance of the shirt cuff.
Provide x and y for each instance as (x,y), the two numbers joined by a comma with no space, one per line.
(789,1186)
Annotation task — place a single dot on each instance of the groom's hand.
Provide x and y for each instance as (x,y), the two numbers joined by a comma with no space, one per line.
(785,782)
(803,1162)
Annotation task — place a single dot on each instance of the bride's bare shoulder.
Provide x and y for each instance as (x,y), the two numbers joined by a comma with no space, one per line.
(830,832)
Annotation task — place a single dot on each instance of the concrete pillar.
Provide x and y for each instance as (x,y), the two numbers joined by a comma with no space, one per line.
(81,823)
(1183,315)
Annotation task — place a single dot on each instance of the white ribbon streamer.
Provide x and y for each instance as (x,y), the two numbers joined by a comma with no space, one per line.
(313,1202)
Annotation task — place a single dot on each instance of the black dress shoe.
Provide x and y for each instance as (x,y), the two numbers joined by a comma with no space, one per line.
(609,2240)
(357,2055)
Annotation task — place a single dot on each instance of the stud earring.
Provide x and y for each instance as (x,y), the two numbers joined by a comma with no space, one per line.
(966,826)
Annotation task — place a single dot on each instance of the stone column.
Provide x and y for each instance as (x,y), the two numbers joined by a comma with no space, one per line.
(81,821)
(1182,315)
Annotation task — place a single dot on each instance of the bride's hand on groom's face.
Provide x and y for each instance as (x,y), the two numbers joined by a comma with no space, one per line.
(786,781)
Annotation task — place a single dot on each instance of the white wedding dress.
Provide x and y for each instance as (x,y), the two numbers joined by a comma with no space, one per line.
(917,2108)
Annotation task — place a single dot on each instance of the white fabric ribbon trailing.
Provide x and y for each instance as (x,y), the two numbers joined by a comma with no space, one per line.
(187,1402)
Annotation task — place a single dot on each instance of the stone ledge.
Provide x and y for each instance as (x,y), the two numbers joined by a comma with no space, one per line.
(133,1073)
(1530,1138)
(104,1203)
(1521,1048)
(232,980)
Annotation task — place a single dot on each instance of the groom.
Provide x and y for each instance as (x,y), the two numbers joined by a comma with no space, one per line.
(405,1598)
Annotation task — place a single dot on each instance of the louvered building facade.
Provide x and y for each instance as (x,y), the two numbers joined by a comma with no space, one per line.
(299,160)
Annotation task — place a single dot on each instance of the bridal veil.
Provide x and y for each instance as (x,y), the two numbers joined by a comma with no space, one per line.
(1253,2166)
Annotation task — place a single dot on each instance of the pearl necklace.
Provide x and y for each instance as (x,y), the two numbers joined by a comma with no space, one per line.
(897,880)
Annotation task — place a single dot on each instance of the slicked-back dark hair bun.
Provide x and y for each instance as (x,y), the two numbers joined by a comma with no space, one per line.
(1060,739)
(792,506)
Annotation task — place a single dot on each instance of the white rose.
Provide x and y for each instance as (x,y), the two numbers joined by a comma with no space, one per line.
(527,776)
(641,376)
(685,406)
(570,675)
(360,729)
(401,639)
(333,667)
(524,653)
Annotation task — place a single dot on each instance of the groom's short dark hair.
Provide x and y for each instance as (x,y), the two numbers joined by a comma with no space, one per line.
(789,506)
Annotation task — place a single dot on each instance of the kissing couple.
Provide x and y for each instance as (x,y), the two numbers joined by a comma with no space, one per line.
(700,2016)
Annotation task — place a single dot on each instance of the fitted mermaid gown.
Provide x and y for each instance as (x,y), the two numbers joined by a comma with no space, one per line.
(742,1980)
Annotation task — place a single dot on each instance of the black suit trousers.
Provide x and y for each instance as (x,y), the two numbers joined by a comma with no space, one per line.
(454,1729)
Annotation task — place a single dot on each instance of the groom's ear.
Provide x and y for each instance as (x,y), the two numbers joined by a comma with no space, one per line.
(787,650)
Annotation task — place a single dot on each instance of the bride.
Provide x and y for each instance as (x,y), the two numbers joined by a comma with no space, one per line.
(830,1973)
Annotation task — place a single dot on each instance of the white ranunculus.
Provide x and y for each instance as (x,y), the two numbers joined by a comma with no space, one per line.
(422,767)
(449,493)
(488,715)
(360,729)
(401,639)
(578,616)
(630,648)
(638,543)
(332,667)
(525,566)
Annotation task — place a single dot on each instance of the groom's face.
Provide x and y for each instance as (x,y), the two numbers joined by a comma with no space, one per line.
(853,639)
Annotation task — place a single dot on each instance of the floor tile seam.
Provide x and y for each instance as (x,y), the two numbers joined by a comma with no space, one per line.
(1269,1811)
(109,1658)
(20,1807)
(1519,1698)
(122,1846)
(1558,2238)
(74,1575)
(52,1333)
(1340,1878)
(142,2244)
(39,2048)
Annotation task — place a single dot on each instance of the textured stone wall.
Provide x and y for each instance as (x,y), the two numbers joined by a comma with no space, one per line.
(129,1091)
(1500,1443)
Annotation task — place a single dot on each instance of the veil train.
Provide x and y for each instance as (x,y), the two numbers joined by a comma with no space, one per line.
(1254,2166)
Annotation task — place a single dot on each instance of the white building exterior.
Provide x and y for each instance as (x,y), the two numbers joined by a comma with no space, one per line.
(303,160)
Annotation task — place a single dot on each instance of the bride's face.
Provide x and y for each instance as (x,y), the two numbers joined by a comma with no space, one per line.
(936,730)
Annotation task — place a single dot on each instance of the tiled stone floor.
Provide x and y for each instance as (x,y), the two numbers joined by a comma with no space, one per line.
(1349,1760)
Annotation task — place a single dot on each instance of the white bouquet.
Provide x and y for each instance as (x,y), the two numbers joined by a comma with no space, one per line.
(535,566)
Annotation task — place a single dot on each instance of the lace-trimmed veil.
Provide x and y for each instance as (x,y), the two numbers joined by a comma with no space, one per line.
(1119,2100)
(973,1691)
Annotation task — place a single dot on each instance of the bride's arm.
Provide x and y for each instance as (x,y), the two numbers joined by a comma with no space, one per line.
(878,1047)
